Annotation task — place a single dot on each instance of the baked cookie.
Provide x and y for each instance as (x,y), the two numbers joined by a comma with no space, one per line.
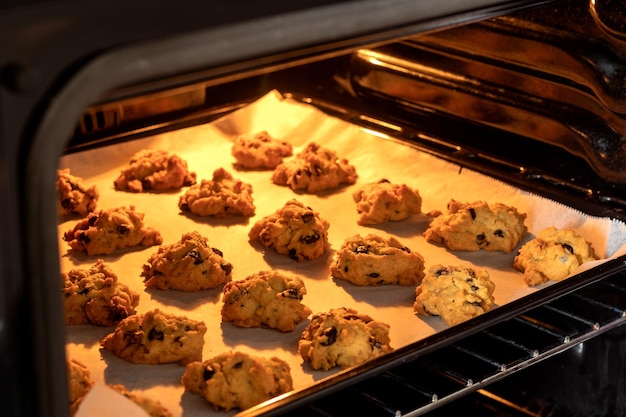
(237,380)
(188,265)
(265,299)
(95,296)
(382,201)
(79,383)
(260,151)
(314,169)
(478,225)
(152,407)
(294,230)
(106,231)
(219,197)
(553,254)
(375,260)
(342,337)
(154,170)
(157,337)
(456,293)
(73,196)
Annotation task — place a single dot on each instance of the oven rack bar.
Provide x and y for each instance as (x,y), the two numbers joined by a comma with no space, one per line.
(422,385)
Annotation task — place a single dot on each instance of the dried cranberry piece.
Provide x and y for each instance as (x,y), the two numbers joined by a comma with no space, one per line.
(122,229)
(155,334)
(208,373)
(472,213)
(306,218)
(481,239)
(567,248)
(197,259)
(310,238)
(362,249)
(330,334)
(291,293)
(218,252)
(228,268)
(499,233)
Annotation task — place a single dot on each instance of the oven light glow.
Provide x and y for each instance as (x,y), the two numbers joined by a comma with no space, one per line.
(376,133)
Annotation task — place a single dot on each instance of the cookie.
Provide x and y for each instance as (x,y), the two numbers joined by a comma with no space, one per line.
(219,197)
(294,230)
(151,406)
(188,265)
(107,231)
(73,196)
(237,380)
(375,260)
(154,170)
(265,299)
(456,293)
(157,337)
(476,226)
(95,296)
(260,151)
(383,201)
(314,169)
(79,383)
(342,337)
(553,254)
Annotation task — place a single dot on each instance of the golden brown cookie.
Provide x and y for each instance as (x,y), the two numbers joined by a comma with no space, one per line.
(95,296)
(154,170)
(73,196)
(79,383)
(219,197)
(237,380)
(382,202)
(553,254)
(343,337)
(260,151)
(376,260)
(476,226)
(157,337)
(106,231)
(456,293)
(314,169)
(294,230)
(265,299)
(188,265)
(153,407)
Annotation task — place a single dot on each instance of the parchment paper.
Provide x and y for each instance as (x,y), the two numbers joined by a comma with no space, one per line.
(207,148)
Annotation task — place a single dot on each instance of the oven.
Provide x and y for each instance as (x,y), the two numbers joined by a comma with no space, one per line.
(526,94)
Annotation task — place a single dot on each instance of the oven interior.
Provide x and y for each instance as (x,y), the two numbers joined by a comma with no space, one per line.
(540,103)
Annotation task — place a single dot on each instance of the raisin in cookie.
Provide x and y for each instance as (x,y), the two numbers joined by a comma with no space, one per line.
(157,337)
(375,260)
(342,337)
(73,196)
(237,380)
(456,293)
(151,406)
(314,169)
(188,265)
(154,170)
(219,197)
(106,231)
(294,230)
(553,254)
(260,151)
(478,225)
(79,383)
(95,296)
(265,299)
(383,201)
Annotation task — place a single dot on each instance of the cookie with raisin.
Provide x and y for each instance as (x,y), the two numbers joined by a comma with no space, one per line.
(152,406)
(455,293)
(478,225)
(554,254)
(343,337)
(96,296)
(383,201)
(260,151)
(237,380)
(106,231)
(377,260)
(294,230)
(221,196)
(154,170)
(157,337)
(269,299)
(188,265)
(314,169)
(74,196)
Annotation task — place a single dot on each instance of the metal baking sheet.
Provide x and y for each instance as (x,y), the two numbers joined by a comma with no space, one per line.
(206,148)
